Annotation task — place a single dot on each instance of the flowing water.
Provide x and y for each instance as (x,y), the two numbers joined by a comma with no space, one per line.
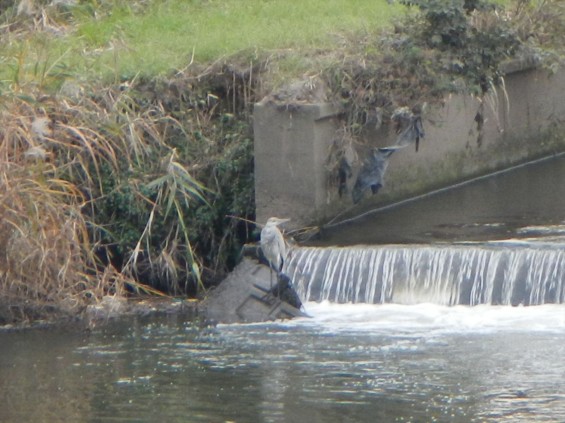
(458,319)
(507,274)
(348,363)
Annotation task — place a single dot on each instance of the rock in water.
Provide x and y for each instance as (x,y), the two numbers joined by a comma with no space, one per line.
(244,297)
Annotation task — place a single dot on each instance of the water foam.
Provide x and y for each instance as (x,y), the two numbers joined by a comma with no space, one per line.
(432,319)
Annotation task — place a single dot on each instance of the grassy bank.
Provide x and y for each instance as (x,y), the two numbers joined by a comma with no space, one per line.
(125,126)
(117,39)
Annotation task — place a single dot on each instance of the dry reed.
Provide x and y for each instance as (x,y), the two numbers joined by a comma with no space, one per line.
(56,157)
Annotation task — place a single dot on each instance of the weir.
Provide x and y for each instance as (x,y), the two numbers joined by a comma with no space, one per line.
(467,274)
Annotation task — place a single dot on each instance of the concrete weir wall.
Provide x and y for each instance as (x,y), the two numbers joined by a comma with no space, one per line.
(524,121)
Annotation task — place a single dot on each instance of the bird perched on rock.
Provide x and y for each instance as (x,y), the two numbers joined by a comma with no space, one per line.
(273,245)
(372,173)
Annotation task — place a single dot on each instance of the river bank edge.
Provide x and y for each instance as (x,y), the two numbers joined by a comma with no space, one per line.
(112,309)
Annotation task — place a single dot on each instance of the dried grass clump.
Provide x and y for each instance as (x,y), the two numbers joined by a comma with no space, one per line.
(102,184)
(47,268)
(59,158)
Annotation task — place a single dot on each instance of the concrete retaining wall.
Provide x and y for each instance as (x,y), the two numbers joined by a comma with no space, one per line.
(292,144)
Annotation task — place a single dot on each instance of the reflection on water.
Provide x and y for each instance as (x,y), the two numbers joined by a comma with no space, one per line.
(345,363)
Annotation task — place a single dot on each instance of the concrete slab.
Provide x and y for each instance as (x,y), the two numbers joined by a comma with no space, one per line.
(244,297)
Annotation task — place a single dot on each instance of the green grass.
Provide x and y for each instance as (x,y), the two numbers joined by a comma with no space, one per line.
(165,35)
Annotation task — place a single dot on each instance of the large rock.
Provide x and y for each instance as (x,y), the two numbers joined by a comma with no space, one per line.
(245,296)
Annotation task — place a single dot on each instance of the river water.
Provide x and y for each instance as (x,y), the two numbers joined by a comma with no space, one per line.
(522,203)
(348,363)
(405,361)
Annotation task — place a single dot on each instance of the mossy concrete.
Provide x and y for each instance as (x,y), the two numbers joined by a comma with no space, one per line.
(523,121)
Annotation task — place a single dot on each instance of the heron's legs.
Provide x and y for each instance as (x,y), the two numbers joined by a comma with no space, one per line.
(277,273)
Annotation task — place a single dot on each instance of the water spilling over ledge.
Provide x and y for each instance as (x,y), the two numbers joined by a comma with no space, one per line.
(450,274)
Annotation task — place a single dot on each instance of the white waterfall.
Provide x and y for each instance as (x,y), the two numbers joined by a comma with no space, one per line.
(441,274)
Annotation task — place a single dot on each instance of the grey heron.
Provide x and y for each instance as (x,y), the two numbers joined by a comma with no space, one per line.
(273,245)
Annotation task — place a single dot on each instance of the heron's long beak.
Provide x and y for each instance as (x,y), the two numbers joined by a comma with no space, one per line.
(278,220)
